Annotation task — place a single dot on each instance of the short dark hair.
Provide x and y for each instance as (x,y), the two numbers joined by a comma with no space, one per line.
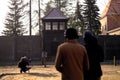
(71,33)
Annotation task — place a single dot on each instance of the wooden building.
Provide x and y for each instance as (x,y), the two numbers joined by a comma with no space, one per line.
(54,25)
(110,18)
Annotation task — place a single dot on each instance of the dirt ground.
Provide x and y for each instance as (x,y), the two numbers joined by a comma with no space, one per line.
(38,72)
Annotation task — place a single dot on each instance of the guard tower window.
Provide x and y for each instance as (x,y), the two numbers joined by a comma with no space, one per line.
(55,26)
(62,25)
(48,26)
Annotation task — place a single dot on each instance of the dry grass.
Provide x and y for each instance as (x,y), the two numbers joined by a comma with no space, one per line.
(110,72)
(36,73)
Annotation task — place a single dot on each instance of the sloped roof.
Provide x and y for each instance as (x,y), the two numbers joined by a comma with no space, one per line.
(55,14)
(106,9)
(113,7)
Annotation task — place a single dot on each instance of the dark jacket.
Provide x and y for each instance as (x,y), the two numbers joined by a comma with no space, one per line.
(23,63)
(96,55)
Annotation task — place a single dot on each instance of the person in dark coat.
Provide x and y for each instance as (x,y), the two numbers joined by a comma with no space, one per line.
(23,64)
(95,54)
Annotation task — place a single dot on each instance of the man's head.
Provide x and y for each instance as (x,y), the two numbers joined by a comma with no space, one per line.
(71,33)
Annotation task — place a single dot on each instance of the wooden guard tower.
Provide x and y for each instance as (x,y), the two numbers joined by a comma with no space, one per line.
(54,25)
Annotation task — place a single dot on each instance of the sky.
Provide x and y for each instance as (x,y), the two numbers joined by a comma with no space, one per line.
(4,9)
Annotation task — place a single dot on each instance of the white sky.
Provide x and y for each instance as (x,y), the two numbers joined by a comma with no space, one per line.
(4,10)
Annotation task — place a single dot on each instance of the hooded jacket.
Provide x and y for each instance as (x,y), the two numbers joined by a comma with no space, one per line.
(95,55)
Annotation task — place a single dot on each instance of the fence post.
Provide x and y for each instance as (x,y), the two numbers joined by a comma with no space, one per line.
(114,59)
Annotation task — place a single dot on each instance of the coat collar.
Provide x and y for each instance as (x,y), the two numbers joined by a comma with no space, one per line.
(72,41)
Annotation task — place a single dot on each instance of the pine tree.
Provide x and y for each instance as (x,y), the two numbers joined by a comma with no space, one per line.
(76,19)
(13,21)
(65,6)
(48,7)
(91,16)
(61,4)
(79,18)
